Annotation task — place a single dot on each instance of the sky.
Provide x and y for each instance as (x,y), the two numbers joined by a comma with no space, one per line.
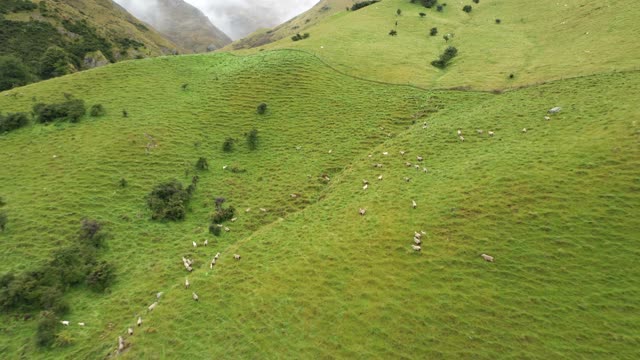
(238,18)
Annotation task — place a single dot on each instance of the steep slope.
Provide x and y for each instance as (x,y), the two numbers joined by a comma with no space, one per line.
(180,22)
(82,33)
(322,10)
(541,41)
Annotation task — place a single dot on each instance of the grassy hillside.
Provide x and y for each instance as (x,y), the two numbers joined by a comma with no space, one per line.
(555,205)
(540,41)
(53,38)
(322,10)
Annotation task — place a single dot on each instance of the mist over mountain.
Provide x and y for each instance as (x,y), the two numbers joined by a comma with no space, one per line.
(181,22)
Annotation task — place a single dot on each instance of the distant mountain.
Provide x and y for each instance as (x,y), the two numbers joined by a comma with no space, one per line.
(182,23)
(44,39)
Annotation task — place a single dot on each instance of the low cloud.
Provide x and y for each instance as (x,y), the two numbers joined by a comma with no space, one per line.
(237,18)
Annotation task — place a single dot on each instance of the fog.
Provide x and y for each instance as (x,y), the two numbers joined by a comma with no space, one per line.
(237,18)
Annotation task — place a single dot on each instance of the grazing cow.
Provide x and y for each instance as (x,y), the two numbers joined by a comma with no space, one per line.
(547,118)
(186,283)
(263,209)
(194,244)
(491,133)
(408,164)
(330,151)
(227,229)
(385,153)
(487,257)
(362,211)
(236,256)
(461,138)
(425,169)
(402,152)
(524,130)
(479,131)
(380,177)
(416,247)
(293,196)
(153,306)
(234,219)
(225,167)
(365,181)
(420,158)
(81,324)
(195,296)
(130,331)
(248,209)
(417,235)
(365,187)
(64,322)
(407,179)
(377,165)
(213,263)
(159,295)
(417,241)
(206,242)
(555,110)
(459,132)
(217,256)
(413,203)
(417,166)
(139,321)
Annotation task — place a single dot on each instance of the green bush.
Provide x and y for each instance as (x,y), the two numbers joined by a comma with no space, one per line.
(393,33)
(215,230)
(71,110)
(445,58)
(298,37)
(422,14)
(227,146)
(467,8)
(90,233)
(46,331)
(13,121)
(97,110)
(55,62)
(262,108)
(7,6)
(433,31)
(439,8)
(252,139)
(202,164)
(429,3)
(101,276)
(361,4)
(13,73)
(168,201)
(221,215)
(476,1)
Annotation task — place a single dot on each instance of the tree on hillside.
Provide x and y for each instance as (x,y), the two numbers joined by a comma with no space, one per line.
(467,8)
(55,62)
(13,73)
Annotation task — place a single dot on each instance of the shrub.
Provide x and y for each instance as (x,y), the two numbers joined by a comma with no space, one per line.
(361,4)
(399,12)
(71,110)
(90,232)
(498,21)
(467,8)
(13,121)
(262,108)
(97,110)
(393,33)
(476,1)
(429,3)
(445,58)
(227,146)
(221,215)
(55,62)
(168,201)
(3,220)
(51,299)
(13,73)
(215,229)
(252,139)
(46,332)
(125,113)
(101,276)
(439,8)
(511,76)
(2,202)
(298,37)
(123,183)
(433,31)
(422,14)
(202,164)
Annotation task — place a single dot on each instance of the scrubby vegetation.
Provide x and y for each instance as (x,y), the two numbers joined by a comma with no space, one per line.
(360,4)
(97,110)
(227,145)
(298,37)
(13,121)
(252,139)
(262,108)
(446,57)
(71,110)
(168,201)
(43,289)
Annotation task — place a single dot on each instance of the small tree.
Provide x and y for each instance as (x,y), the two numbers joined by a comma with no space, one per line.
(498,21)
(445,58)
(101,276)
(439,8)
(125,113)
(422,14)
(202,164)
(122,183)
(429,3)
(399,12)
(227,146)
(46,331)
(90,232)
(476,1)
(252,139)
(393,33)
(262,108)
(433,31)
(467,8)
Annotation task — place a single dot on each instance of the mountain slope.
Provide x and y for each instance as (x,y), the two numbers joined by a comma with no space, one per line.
(300,23)
(82,33)
(182,23)
(546,40)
